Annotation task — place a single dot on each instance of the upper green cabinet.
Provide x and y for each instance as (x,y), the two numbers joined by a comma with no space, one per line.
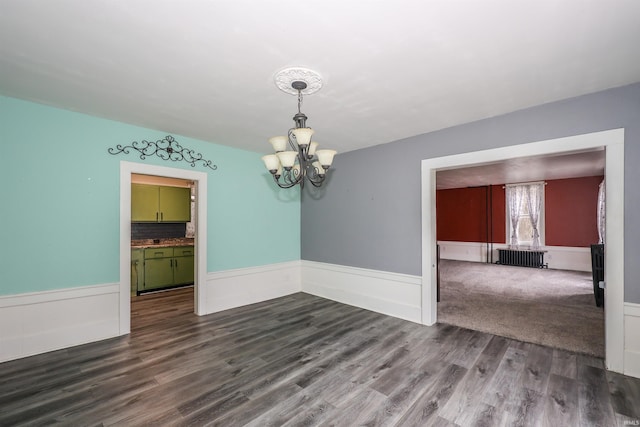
(155,203)
(175,204)
(145,203)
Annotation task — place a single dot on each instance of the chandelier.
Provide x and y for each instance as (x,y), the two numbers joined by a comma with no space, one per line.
(301,160)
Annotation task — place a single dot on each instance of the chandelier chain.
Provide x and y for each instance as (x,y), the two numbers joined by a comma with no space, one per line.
(299,101)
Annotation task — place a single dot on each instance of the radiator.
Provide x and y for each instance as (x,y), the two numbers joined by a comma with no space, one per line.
(521,258)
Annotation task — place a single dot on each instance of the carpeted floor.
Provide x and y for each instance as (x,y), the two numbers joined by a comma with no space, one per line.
(550,307)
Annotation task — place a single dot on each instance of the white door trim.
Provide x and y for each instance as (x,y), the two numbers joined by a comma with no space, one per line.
(200,178)
(613,142)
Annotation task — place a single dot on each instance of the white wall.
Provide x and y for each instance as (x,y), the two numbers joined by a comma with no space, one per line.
(557,257)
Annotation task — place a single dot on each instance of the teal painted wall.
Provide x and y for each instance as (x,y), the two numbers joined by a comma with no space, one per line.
(60,200)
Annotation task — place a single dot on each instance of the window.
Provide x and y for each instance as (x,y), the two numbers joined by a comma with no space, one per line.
(525,215)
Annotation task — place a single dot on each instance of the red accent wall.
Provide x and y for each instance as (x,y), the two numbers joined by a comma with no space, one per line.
(462,214)
(570,213)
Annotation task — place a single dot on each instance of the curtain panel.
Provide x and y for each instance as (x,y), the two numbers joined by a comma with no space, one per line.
(534,200)
(515,195)
(601,210)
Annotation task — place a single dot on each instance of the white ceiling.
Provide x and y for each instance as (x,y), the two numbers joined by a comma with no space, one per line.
(391,69)
(525,169)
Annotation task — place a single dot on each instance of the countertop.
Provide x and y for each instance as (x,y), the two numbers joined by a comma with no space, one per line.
(161,243)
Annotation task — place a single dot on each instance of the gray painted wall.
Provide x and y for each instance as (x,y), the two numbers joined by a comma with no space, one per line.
(369,214)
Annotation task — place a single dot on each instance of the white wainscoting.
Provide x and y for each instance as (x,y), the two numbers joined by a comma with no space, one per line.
(393,294)
(557,257)
(234,288)
(38,322)
(632,339)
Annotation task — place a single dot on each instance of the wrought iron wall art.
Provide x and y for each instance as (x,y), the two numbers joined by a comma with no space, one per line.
(167,149)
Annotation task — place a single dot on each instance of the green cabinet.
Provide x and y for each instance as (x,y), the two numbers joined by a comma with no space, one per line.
(166,267)
(137,270)
(183,265)
(175,204)
(155,203)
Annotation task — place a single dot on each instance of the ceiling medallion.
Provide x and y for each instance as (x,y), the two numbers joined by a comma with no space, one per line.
(284,80)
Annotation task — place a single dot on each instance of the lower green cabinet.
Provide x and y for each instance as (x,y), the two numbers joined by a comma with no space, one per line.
(183,270)
(183,265)
(137,270)
(166,267)
(158,273)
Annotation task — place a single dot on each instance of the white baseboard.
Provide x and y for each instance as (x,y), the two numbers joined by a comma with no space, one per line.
(393,294)
(38,322)
(557,257)
(632,339)
(238,287)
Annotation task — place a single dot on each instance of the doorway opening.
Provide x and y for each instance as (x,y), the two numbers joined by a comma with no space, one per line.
(613,143)
(127,169)
(484,282)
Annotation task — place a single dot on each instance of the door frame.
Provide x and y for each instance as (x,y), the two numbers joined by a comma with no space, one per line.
(613,143)
(200,242)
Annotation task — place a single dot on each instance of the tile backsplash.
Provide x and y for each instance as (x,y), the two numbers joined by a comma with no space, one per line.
(143,230)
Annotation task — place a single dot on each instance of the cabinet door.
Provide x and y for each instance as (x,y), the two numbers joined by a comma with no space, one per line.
(144,203)
(158,273)
(183,268)
(175,204)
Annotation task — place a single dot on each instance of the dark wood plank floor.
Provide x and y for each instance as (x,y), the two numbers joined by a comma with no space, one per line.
(304,360)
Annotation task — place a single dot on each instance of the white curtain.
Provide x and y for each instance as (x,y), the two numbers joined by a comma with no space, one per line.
(601,213)
(515,194)
(534,200)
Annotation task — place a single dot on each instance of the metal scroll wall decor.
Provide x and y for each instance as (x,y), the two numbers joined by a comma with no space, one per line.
(167,149)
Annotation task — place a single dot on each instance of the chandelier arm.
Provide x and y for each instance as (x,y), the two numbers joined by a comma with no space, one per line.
(290,176)
(317,184)
(291,136)
(315,178)
(284,184)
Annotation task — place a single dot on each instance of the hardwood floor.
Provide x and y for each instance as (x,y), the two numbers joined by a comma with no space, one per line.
(304,360)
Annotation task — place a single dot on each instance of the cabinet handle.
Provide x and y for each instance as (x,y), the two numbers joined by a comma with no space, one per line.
(161,216)
(171,262)
(176,264)
(156,216)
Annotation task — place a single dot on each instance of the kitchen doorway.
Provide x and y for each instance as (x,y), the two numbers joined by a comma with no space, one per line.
(162,251)
(127,169)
